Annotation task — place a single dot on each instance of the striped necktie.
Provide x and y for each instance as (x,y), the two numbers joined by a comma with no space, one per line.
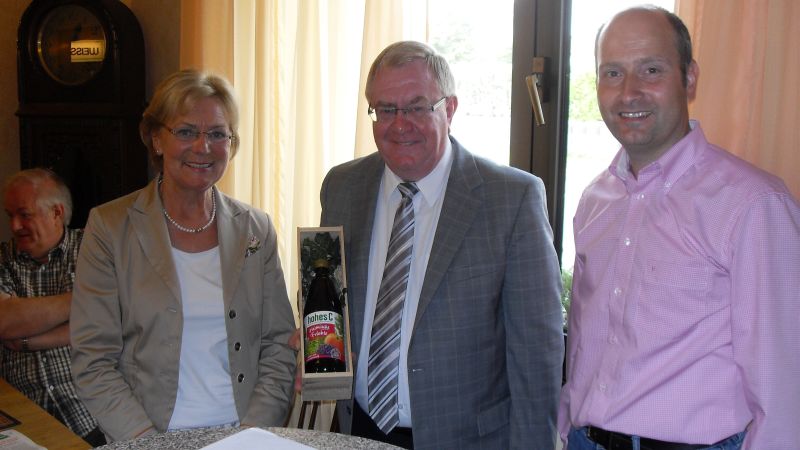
(384,352)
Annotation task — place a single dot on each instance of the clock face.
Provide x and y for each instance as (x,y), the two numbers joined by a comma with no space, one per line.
(71,44)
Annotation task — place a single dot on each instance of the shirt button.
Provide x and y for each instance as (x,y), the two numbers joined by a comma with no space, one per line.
(240,378)
(51,388)
(617,291)
(640,196)
(602,387)
(612,340)
(237,346)
(232,314)
(627,241)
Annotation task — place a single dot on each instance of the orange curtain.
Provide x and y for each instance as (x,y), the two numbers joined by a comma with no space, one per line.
(748,98)
(198,51)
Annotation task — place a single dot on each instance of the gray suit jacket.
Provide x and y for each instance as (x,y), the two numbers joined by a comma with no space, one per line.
(487,346)
(126,319)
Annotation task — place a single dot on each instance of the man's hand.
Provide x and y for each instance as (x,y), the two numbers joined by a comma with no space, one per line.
(13,344)
(57,337)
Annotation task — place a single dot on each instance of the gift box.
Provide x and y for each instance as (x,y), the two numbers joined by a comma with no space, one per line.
(315,243)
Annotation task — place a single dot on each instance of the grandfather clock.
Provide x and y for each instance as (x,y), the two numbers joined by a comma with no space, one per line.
(80,67)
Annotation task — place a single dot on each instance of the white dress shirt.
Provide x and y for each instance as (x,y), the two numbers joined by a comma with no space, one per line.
(427,206)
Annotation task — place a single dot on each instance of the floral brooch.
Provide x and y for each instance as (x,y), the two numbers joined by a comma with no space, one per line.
(252,246)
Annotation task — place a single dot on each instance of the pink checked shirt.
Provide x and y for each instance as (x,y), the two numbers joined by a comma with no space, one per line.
(685,316)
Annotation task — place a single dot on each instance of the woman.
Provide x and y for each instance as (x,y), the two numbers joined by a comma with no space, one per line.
(180,316)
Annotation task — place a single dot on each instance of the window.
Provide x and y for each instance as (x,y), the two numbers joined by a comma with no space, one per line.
(477,42)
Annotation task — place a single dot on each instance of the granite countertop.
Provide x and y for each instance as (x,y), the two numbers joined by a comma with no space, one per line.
(200,437)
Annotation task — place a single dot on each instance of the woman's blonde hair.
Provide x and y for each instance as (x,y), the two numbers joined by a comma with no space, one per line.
(176,94)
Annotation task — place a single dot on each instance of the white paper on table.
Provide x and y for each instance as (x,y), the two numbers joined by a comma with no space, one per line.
(14,440)
(256,438)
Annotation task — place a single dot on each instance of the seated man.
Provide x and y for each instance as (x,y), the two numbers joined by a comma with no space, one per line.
(37,269)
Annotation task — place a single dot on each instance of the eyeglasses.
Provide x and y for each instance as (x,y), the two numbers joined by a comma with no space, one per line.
(416,112)
(213,137)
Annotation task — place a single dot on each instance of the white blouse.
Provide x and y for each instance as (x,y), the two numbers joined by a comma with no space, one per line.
(205,393)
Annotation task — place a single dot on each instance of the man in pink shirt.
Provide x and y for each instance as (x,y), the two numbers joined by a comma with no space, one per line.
(683,329)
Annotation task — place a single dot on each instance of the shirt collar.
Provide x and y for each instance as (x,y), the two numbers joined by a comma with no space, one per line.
(430,186)
(671,165)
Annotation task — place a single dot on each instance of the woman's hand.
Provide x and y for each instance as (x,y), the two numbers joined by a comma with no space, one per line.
(295,343)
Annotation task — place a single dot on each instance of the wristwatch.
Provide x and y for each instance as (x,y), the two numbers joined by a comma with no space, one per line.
(25,347)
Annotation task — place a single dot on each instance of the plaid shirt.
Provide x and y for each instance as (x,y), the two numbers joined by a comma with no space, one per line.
(44,376)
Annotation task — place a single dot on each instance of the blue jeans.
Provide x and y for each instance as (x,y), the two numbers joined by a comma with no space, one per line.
(578,440)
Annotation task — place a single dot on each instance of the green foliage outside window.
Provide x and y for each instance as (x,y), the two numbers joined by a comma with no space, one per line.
(583,98)
(566,292)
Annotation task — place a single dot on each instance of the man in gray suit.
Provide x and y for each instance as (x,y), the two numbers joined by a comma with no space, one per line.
(476,359)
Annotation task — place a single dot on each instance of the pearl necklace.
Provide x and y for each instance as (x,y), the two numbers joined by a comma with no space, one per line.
(181,227)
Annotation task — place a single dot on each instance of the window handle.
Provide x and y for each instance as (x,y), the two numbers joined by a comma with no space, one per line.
(535,83)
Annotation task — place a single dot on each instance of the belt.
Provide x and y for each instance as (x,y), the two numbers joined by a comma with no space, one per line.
(618,441)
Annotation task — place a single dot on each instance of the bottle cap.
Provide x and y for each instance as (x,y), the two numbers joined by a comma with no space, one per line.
(320,263)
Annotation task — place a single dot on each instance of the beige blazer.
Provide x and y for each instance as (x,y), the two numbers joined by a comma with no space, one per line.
(126,320)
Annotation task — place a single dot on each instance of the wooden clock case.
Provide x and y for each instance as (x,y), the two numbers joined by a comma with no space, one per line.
(85,132)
